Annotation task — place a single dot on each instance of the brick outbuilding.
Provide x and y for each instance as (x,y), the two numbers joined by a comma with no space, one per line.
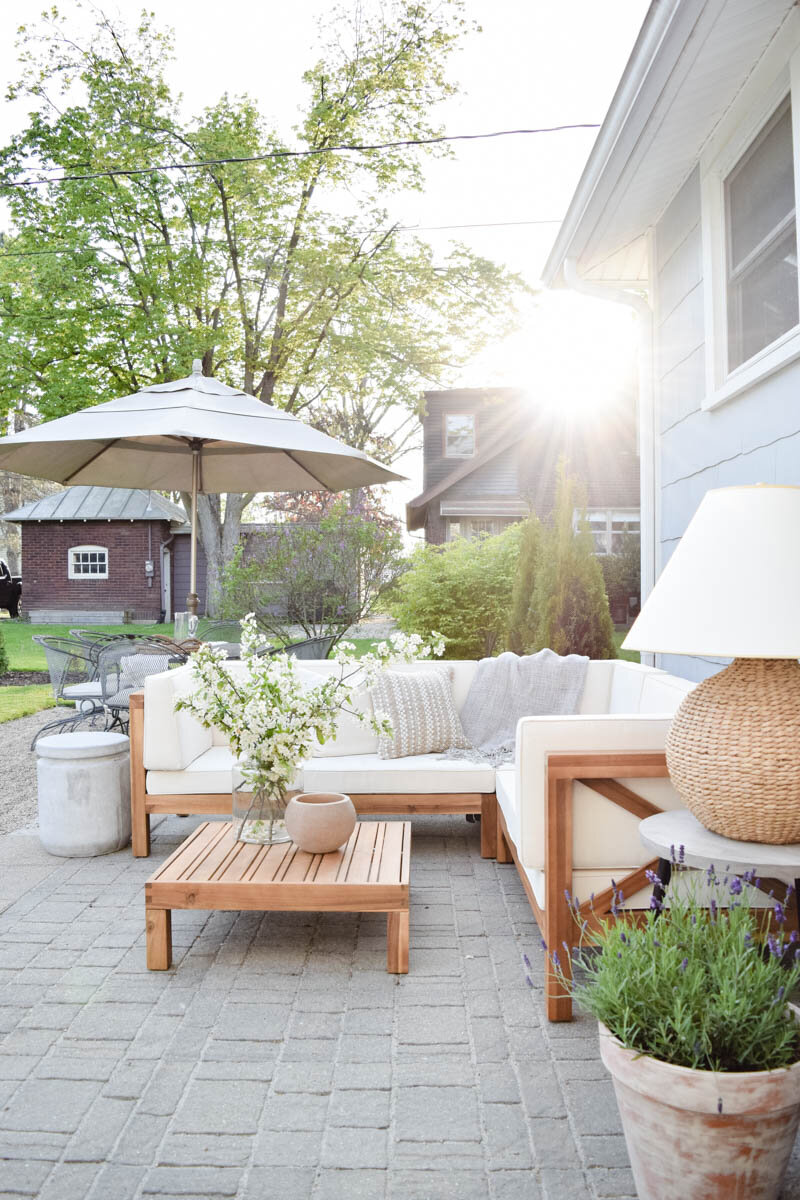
(104,556)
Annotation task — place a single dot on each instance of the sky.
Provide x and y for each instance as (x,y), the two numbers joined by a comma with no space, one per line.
(535,63)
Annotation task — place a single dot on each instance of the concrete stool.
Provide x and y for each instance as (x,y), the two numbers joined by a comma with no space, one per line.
(84,793)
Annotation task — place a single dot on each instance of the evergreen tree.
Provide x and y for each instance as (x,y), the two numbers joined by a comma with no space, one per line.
(522,617)
(570,596)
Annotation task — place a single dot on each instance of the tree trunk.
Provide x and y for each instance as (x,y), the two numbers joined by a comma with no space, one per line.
(219,532)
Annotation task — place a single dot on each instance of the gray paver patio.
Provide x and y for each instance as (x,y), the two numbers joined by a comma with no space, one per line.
(277,1058)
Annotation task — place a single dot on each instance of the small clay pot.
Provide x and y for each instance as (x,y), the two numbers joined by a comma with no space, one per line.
(319,822)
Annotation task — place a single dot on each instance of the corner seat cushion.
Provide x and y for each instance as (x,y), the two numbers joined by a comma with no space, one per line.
(418,774)
(507,799)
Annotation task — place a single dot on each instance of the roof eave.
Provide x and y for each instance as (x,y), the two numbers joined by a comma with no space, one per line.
(664,33)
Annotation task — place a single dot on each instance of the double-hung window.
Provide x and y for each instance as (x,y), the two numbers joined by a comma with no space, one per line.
(749,178)
(761,242)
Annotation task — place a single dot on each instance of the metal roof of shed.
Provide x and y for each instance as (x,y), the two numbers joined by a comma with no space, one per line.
(83,503)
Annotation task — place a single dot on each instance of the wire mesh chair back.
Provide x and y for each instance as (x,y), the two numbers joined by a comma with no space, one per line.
(123,667)
(318,647)
(93,642)
(218,631)
(67,661)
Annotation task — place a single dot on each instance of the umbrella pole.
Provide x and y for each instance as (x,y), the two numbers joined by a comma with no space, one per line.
(191,599)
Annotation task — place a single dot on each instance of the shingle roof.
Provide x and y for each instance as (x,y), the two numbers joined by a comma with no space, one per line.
(82,503)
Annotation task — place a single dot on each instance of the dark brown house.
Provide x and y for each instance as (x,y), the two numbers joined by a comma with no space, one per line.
(491,455)
(105,556)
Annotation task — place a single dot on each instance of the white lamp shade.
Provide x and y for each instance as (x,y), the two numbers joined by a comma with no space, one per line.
(732,587)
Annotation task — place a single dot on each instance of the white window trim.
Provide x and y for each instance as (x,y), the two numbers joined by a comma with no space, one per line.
(776,77)
(82,576)
(447,453)
(611,515)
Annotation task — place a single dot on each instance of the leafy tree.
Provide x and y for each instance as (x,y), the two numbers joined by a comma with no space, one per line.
(283,274)
(522,618)
(323,571)
(461,589)
(570,596)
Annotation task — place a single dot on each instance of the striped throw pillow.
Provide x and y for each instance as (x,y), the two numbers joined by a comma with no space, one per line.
(420,706)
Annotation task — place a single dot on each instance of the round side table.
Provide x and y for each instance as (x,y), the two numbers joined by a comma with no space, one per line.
(667,832)
(84,793)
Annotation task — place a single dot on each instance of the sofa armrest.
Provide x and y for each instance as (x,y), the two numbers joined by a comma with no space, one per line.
(171,740)
(540,737)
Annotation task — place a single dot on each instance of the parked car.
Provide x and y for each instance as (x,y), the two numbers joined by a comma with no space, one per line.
(10,590)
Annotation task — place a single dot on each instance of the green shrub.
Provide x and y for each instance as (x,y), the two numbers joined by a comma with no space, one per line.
(522,618)
(323,572)
(622,574)
(693,985)
(463,590)
(570,602)
(3,655)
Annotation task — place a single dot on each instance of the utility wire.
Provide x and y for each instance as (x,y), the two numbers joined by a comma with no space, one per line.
(223,242)
(113,172)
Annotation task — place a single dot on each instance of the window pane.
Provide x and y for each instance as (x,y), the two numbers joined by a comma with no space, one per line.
(761,189)
(762,292)
(765,303)
(459,435)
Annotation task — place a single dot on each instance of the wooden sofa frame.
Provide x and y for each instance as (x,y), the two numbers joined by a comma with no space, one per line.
(142,804)
(601,773)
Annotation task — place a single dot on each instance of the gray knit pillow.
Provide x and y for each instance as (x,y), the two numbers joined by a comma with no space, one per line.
(420,706)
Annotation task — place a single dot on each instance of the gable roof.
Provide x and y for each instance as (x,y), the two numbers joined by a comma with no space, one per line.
(82,503)
(689,63)
(507,434)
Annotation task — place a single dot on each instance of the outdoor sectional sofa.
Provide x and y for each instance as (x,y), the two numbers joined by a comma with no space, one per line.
(561,812)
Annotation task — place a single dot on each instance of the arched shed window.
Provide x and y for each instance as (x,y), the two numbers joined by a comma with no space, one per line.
(87,562)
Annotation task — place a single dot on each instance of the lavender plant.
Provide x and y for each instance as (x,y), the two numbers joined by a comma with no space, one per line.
(695,983)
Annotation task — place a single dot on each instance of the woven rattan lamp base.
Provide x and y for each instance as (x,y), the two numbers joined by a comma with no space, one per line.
(733,751)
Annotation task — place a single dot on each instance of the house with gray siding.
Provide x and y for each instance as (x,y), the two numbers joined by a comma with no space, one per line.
(490,458)
(686,211)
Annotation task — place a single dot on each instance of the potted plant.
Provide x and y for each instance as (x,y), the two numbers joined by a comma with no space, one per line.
(273,711)
(699,1038)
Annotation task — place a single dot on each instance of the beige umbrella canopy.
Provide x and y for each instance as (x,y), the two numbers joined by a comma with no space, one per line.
(193,435)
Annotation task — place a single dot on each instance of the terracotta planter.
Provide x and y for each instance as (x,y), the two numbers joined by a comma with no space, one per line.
(320,821)
(702,1134)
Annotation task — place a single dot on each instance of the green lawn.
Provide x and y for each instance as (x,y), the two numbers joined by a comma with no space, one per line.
(629,655)
(21,701)
(25,655)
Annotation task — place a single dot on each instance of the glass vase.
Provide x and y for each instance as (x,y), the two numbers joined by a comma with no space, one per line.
(258,814)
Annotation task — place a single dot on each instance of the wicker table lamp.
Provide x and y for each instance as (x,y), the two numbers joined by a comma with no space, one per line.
(732,590)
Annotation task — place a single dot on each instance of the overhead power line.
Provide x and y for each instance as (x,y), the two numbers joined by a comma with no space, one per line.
(222,242)
(114,172)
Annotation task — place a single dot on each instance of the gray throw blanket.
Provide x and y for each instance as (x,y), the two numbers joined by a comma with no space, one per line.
(509,687)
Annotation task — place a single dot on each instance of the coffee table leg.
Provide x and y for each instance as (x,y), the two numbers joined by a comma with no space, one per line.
(158,923)
(397,942)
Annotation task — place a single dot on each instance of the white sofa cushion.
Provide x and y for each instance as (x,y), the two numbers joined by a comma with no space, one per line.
(505,780)
(663,693)
(596,686)
(210,773)
(172,740)
(418,775)
(604,835)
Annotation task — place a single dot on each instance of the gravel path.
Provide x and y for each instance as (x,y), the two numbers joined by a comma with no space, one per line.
(18,771)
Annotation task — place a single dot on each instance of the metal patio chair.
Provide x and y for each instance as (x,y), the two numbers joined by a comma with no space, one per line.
(317,647)
(73,677)
(122,670)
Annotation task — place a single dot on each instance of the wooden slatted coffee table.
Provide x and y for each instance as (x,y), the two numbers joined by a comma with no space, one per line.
(212,870)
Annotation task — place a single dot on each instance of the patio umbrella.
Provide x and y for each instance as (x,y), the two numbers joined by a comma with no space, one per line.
(192,435)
